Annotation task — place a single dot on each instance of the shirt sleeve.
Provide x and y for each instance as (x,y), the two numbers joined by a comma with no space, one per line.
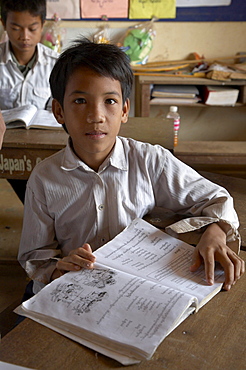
(38,255)
(201,202)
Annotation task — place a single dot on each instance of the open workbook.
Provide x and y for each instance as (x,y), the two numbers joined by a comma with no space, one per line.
(29,116)
(140,290)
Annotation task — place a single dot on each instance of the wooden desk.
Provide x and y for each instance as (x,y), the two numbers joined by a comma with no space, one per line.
(23,149)
(225,157)
(214,338)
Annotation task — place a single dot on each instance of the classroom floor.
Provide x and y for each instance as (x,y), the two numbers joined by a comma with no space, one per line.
(12,276)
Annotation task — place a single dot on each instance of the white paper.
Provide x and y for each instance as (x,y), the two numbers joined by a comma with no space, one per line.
(197,3)
(29,116)
(133,312)
(7,366)
(45,119)
(69,9)
(24,113)
(140,254)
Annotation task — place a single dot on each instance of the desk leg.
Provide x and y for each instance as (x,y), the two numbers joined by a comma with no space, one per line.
(142,99)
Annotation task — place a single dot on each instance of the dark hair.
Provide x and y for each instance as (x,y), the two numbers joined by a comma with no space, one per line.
(105,59)
(34,7)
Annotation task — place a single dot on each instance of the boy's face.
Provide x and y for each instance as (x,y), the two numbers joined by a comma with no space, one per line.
(24,31)
(93,111)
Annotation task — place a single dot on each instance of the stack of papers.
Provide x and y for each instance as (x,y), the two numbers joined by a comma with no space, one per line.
(174,94)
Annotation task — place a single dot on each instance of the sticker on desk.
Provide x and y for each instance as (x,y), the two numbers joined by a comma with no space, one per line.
(19,166)
(15,164)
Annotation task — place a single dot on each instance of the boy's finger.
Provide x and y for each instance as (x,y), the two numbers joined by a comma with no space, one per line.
(239,264)
(87,247)
(196,261)
(84,253)
(209,264)
(74,262)
(84,261)
(67,266)
(229,275)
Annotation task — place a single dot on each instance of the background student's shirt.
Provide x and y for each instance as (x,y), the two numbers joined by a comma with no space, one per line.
(30,87)
(25,68)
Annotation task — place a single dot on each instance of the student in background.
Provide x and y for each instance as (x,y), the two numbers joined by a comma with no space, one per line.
(2,129)
(25,64)
(83,196)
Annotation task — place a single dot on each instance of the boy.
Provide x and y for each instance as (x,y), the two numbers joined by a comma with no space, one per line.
(25,64)
(87,193)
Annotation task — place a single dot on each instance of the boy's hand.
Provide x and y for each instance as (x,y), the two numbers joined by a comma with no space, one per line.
(211,248)
(77,258)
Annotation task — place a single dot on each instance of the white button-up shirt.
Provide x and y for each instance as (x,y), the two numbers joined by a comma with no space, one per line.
(17,90)
(68,204)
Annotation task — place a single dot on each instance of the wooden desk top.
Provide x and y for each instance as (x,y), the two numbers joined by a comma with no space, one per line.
(152,130)
(219,152)
(214,338)
(23,149)
(34,138)
(225,157)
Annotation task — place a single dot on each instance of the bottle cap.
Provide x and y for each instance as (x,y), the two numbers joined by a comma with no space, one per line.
(173,109)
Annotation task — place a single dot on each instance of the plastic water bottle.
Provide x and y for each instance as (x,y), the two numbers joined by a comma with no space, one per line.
(174,115)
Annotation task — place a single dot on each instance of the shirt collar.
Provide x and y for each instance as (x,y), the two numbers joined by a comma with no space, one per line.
(118,155)
(8,55)
(25,68)
(117,158)
(41,57)
(11,57)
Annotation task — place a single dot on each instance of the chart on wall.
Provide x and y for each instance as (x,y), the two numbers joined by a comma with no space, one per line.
(64,9)
(104,8)
(139,9)
(163,10)
(195,3)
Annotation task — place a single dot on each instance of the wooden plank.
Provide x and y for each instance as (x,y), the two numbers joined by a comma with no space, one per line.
(150,130)
(34,138)
(224,157)
(186,81)
(215,148)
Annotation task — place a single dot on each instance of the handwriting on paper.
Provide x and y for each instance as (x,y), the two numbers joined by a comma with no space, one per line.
(148,9)
(109,8)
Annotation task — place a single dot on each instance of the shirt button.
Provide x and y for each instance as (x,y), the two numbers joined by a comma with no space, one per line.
(101,207)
